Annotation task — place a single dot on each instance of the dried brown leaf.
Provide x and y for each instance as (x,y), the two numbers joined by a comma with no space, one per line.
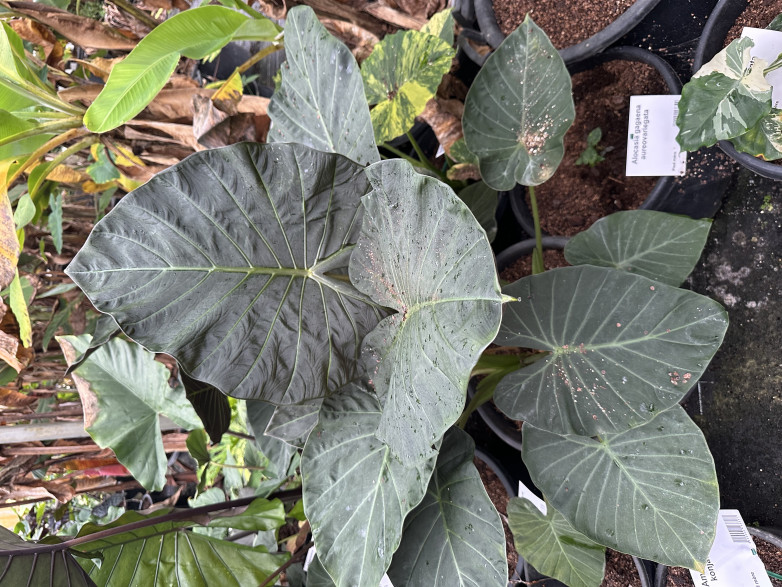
(9,243)
(13,399)
(444,116)
(36,33)
(463,171)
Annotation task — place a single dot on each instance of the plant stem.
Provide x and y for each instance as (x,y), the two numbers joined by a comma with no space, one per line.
(44,128)
(40,96)
(776,64)
(139,15)
(300,554)
(265,52)
(537,255)
(74,133)
(75,148)
(424,160)
(400,154)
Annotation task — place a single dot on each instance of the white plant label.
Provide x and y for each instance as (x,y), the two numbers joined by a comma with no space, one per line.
(733,560)
(768,46)
(527,494)
(652,149)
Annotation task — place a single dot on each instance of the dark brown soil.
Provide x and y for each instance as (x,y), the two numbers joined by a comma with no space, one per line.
(769,554)
(620,570)
(757,14)
(499,497)
(566,22)
(578,195)
(552,258)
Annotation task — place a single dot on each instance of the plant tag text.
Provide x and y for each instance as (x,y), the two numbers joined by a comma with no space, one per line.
(733,559)
(768,45)
(652,149)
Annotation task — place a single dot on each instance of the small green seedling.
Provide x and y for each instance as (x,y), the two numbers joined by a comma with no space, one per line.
(592,155)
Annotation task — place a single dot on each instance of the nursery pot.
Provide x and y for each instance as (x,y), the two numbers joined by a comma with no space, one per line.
(493,36)
(662,188)
(526,572)
(717,26)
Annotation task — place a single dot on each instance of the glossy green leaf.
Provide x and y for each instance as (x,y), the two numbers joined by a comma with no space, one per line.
(441,25)
(724,99)
(18,304)
(400,76)
(660,246)
(422,253)
(105,329)
(317,576)
(197,447)
(320,102)
(292,423)
(764,139)
(461,154)
(210,404)
(14,126)
(136,80)
(261,515)
(56,569)
(278,452)
(238,257)
(129,390)
(650,491)
(55,220)
(14,64)
(551,545)
(454,536)
(622,348)
(482,202)
(356,493)
(518,110)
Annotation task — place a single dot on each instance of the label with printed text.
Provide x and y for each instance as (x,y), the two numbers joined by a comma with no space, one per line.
(652,149)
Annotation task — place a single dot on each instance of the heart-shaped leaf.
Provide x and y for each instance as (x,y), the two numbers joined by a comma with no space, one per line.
(518,110)
(764,139)
(660,246)
(237,257)
(454,536)
(400,76)
(622,348)
(320,101)
(125,391)
(441,25)
(724,98)
(551,545)
(422,253)
(356,493)
(650,491)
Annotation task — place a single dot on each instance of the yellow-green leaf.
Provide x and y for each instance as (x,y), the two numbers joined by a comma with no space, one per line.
(19,308)
(9,244)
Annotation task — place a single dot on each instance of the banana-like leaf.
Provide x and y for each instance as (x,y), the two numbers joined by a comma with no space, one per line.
(724,99)
(441,25)
(320,102)
(622,348)
(454,536)
(234,261)
(278,452)
(660,246)
(15,126)
(650,491)
(51,569)
(210,404)
(400,76)
(518,110)
(356,493)
(482,202)
(764,139)
(129,390)
(422,253)
(194,33)
(551,545)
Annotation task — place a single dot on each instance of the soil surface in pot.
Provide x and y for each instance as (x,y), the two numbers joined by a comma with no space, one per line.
(768,553)
(757,14)
(577,195)
(566,22)
(521,267)
(620,570)
(499,497)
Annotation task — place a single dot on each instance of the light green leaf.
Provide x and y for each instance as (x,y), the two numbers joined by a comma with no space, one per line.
(461,154)
(13,126)
(260,515)
(103,170)
(482,202)
(19,307)
(56,569)
(238,256)
(650,491)
(422,253)
(441,25)
(317,576)
(400,76)
(278,452)
(764,139)
(724,99)
(105,329)
(356,493)
(55,220)
(197,447)
(133,82)
(320,101)
(622,348)
(14,65)
(660,246)
(518,110)
(454,536)
(25,211)
(551,545)
(129,390)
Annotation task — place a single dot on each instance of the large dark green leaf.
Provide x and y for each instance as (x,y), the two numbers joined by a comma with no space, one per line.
(518,110)
(210,404)
(278,452)
(650,491)
(623,347)
(660,246)
(482,202)
(51,569)
(422,253)
(356,493)
(234,262)
(454,536)
(400,76)
(724,99)
(125,391)
(551,545)
(320,102)
(764,139)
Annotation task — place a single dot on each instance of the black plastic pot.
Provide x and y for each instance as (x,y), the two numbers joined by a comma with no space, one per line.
(526,572)
(717,26)
(491,34)
(770,535)
(659,194)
